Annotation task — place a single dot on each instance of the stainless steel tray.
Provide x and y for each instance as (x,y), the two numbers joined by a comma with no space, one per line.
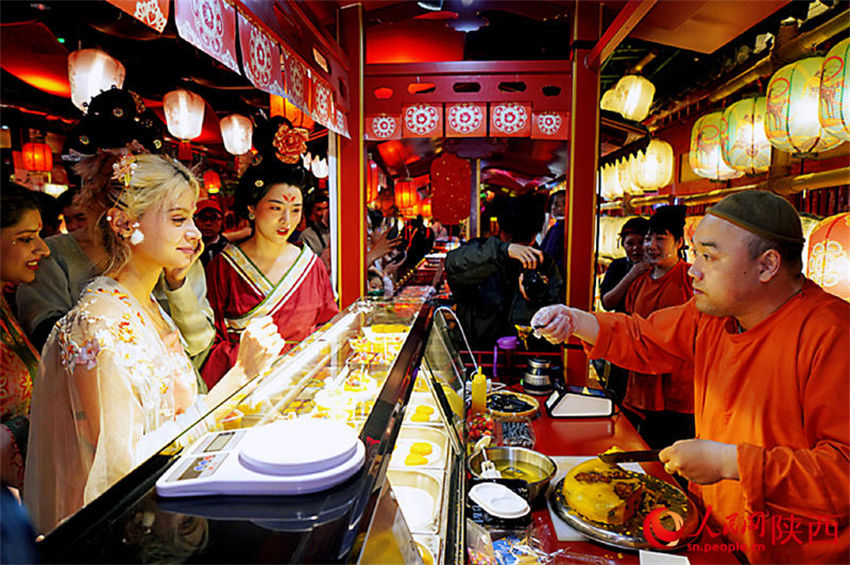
(629,535)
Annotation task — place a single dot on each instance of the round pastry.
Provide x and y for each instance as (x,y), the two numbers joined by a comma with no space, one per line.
(602,492)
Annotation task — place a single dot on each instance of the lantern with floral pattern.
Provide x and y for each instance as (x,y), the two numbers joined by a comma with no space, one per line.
(834,109)
(743,143)
(829,255)
(705,157)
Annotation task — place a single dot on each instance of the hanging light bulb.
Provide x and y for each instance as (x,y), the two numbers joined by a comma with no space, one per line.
(184,113)
(654,167)
(743,142)
(90,72)
(834,109)
(705,157)
(236,132)
(793,95)
(636,93)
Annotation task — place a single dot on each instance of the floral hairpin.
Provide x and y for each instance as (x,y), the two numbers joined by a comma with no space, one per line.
(123,168)
(290,143)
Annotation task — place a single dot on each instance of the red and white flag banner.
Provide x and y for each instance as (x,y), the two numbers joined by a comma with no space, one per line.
(422,120)
(260,58)
(510,119)
(550,125)
(322,107)
(382,127)
(342,124)
(466,119)
(152,13)
(209,25)
(297,80)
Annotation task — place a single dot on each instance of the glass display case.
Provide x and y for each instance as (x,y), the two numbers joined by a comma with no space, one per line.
(385,369)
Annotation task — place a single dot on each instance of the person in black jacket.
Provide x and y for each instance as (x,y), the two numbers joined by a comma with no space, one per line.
(486,275)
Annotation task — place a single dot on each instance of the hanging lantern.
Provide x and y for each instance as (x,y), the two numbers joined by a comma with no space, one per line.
(236,132)
(834,109)
(654,167)
(743,142)
(424,208)
(386,201)
(90,72)
(406,196)
(611,187)
(372,179)
(626,168)
(184,113)
(612,101)
(212,182)
(636,94)
(38,157)
(829,255)
(705,157)
(792,122)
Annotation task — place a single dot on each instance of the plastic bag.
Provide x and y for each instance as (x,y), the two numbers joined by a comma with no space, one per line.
(479,548)
(518,434)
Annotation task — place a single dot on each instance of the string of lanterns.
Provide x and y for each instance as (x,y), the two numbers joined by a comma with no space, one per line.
(648,170)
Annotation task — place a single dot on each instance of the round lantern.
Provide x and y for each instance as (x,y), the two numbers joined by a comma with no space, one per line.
(626,175)
(424,208)
(405,195)
(743,143)
(834,110)
(792,122)
(212,182)
(236,132)
(654,167)
(90,72)
(184,113)
(612,101)
(829,255)
(37,156)
(372,179)
(636,94)
(705,157)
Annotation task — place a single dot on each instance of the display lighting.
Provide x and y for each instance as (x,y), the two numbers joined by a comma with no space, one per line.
(792,123)
(212,181)
(829,255)
(90,72)
(184,113)
(654,167)
(705,158)
(743,142)
(236,132)
(834,109)
(37,156)
(636,94)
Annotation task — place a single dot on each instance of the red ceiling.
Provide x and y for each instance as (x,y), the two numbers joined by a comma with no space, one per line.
(31,53)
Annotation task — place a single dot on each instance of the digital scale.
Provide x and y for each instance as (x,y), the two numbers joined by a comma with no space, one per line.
(283,458)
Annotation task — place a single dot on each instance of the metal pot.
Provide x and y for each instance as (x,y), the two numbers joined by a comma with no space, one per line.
(536,379)
(520,458)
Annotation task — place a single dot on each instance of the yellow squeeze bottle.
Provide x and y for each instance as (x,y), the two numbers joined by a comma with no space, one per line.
(479,392)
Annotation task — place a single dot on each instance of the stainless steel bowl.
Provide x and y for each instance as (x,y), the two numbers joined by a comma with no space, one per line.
(517,458)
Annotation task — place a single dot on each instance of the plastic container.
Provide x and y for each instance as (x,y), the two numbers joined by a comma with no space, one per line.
(479,393)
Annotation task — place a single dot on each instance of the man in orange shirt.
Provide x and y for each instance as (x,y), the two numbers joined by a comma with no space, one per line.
(771,393)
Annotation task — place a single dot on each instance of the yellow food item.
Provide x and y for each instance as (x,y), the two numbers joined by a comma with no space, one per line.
(424,409)
(415,459)
(602,492)
(422,448)
(389,328)
(425,554)
(420,417)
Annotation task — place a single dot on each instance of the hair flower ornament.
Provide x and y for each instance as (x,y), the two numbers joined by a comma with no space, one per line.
(123,169)
(290,143)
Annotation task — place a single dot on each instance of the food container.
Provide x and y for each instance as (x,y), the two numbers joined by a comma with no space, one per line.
(429,548)
(419,495)
(495,399)
(517,463)
(411,440)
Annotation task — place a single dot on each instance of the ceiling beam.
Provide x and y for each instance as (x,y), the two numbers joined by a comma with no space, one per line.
(626,20)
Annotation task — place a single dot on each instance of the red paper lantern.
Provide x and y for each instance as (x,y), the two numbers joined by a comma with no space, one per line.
(38,157)
(405,195)
(386,201)
(212,182)
(371,181)
(424,208)
(829,255)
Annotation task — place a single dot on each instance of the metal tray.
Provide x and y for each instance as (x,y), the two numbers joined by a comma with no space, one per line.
(629,535)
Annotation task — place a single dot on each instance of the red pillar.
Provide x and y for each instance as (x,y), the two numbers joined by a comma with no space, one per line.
(351,164)
(584,147)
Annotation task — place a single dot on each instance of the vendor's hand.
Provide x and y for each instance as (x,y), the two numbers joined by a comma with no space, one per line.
(556,323)
(528,256)
(701,461)
(259,346)
(174,277)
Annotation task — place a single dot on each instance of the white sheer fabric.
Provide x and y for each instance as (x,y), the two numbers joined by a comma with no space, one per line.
(110,392)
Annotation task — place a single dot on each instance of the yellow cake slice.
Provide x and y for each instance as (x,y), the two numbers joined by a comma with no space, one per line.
(602,492)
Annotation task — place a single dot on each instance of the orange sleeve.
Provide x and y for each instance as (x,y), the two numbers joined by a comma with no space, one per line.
(661,343)
(813,482)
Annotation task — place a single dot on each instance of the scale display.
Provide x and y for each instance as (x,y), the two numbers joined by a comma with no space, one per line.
(283,458)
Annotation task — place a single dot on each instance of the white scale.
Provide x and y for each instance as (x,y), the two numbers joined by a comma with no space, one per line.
(283,458)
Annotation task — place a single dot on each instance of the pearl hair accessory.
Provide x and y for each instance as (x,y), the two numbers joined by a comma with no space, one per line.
(137,236)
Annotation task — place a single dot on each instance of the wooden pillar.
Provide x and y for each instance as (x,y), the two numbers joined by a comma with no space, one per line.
(584,147)
(351,167)
(475,200)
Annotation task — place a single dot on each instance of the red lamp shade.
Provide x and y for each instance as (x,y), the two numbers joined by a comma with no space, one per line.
(405,195)
(212,182)
(829,255)
(371,181)
(38,157)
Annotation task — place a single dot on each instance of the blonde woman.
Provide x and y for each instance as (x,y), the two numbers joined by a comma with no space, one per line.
(115,384)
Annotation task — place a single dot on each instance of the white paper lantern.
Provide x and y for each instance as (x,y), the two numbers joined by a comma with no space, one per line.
(90,72)
(611,188)
(743,143)
(834,110)
(792,123)
(184,113)
(705,158)
(654,167)
(636,93)
(236,132)
(626,168)
(612,101)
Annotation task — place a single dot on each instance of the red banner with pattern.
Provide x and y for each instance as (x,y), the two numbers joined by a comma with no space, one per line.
(466,119)
(152,13)
(260,58)
(550,125)
(422,120)
(382,127)
(510,119)
(209,25)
